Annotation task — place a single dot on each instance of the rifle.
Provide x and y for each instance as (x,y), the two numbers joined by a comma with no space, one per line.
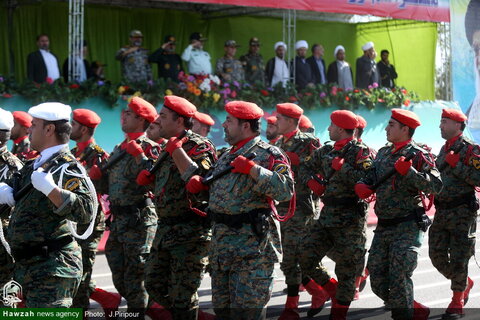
(86,154)
(114,160)
(445,164)
(390,173)
(325,180)
(210,177)
(163,156)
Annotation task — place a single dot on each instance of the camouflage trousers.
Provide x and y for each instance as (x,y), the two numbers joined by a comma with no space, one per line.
(174,274)
(292,232)
(391,262)
(127,249)
(87,285)
(345,245)
(452,243)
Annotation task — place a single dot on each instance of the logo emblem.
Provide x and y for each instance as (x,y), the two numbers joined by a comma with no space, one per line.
(11,292)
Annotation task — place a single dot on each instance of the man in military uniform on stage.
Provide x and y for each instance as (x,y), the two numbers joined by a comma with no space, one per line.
(402,173)
(202,124)
(253,63)
(341,229)
(176,264)
(89,153)
(135,221)
(245,239)
(272,131)
(298,146)
(451,240)
(169,62)
(134,60)
(19,135)
(48,262)
(9,164)
(229,68)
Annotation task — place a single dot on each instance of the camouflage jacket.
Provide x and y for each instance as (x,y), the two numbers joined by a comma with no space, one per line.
(177,222)
(35,219)
(237,193)
(303,144)
(92,154)
(23,151)
(358,160)
(135,66)
(399,196)
(462,179)
(254,68)
(9,164)
(230,69)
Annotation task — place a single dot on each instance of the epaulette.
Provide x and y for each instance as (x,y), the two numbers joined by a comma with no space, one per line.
(98,149)
(423,147)
(275,151)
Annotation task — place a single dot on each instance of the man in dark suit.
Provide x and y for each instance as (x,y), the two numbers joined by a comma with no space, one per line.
(169,62)
(300,66)
(317,64)
(386,70)
(42,64)
(84,70)
(367,72)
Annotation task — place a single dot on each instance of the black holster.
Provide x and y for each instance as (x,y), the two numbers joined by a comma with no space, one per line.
(257,218)
(423,221)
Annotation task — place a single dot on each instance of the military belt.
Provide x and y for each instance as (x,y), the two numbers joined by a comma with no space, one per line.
(468,198)
(43,249)
(347,202)
(131,208)
(394,221)
(257,218)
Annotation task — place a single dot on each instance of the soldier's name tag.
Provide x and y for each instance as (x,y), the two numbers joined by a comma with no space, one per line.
(72,184)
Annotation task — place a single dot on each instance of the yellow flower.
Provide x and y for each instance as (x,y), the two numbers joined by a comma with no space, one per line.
(206,95)
(168,92)
(121,89)
(216,97)
(137,94)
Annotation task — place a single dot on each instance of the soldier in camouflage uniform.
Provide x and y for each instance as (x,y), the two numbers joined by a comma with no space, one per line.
(253,63)
(228,68)
(19,135)
(9,164)
(271,133)
(153,133)
(298,146)
(202,124)
(341,229)
(245,239)
(176,264)
(402,221)
(134,60)
(135,220)
(452,236)
(48,262)
(89,153)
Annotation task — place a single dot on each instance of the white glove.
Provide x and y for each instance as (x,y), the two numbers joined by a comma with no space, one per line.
(6,194)
(43,181)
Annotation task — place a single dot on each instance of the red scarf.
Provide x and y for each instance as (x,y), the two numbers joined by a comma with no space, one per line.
(342,143)
(18,140)
(400,145)
(287,136)
(450,142)
(82,145)
(240,144)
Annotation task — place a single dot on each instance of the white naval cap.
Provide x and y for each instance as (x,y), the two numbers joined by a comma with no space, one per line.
(367,46)
(280,44)
(51,111)
(301,44)
(6,120)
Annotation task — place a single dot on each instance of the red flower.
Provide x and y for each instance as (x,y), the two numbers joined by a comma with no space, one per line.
(7,95)
(356,91)
(292,99)
(381,100)
(264,92)
(347,98)
(403,91)
(393,89)
(406,103)
(49,80)
(308,94)
(340,89)
(233,94)
(126,87)
(74,86)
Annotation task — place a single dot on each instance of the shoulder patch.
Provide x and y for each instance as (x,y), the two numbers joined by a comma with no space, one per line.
(280,168)
(72,184)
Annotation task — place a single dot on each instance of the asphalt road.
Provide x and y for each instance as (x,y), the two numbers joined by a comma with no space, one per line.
(431,289)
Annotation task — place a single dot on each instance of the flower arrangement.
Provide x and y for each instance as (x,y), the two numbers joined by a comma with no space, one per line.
(208,92)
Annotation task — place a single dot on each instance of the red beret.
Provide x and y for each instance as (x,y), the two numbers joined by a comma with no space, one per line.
(272,120)
(244,110)
(143,108)
(344,119)
(406,117)
(204,118)
(180,105)
(86,117)
(290,110)
(23,118)
(305,122)
(453,114)
(362,123)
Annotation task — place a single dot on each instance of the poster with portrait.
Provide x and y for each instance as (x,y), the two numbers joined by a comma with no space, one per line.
(465,40)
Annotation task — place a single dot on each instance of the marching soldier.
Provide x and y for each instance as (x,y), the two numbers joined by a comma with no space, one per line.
(48,262)
(341,229)
(298,146)
(176,264)
(272,131)
(9,164)
(245,238)
(452,235)
(305,125)
(401,174)
(135,220)
(202,124)
(89,153)
(19,135)
(252,62)
(153,133)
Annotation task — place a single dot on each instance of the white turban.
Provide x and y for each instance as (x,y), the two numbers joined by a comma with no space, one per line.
(280,44)
(367,46)
(301,44)
(51,111)
(338,48)
(6,120)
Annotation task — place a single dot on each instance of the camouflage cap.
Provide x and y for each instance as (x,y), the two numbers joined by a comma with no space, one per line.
(231,43)
(136,33)
(254,41)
